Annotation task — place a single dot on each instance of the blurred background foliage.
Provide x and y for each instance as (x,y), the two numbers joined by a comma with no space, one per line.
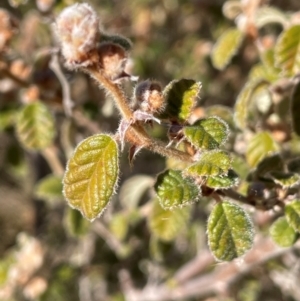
(48,251)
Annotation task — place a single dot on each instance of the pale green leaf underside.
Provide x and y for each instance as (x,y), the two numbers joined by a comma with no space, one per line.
(261,72)
(282,233)
(226,47)
(181,97)
(292,213)
(241,110)
(75,224)
(213,163)
(286,180)
(91,175)
(259,147)
(230,231)
(167,224)
(175,191)
(224,181)
(287,50)
(267,15)
(49,188)
(35,126)
(208,133)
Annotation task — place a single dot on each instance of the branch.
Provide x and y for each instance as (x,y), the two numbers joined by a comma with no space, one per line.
(217,281)
(68,103)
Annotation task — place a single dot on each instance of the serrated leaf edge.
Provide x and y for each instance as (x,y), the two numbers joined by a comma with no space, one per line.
(114,189)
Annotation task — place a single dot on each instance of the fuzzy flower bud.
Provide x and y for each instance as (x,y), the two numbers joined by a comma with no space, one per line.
(149,96)
(77,29)
(112,58)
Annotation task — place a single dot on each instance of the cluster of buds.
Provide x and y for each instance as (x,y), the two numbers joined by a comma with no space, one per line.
(149,97)
(77,29)
(84,45)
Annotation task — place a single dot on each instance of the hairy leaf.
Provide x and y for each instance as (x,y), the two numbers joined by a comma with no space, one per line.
(119,225)
(295,107)
(117,39)
(260,72)
(75,224)
(267,14)
(287,50)
(231,9)
(282,233)
(213,163)
(225,113)
(268,164)
(292,213)
(226,47)
(241,111)
(133,189)
(285,180)
(175,191)
(230,231)
(167,224)
(294,165)
(208,133)
(35,126)
(91,175)
(181,97)
(224,181)
(7,119)
(49,188)
(259,147)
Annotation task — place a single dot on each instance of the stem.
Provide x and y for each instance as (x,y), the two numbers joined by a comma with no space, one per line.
(135,134)
(51,156)
(66,91)
(115,90)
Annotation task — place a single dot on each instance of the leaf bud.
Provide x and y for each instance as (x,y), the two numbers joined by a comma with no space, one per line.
(77,29)
(149,96)
(112,59)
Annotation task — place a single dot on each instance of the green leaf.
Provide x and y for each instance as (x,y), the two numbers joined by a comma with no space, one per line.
(285,180)
(287,50)
(35,126)
(224,181)
(292,213)
(175,191)
(268,164)
(294,165)
(167,224)
(231,9)
(260,72)
(259,147)
(267,15)
(119,225)
(133,190)
(282,233)
(181,97)
(75,224)
(226,47)
(7,119)
(230,231)
(117,39)
(91,175)
(262,98)
(225,113)
(50,188)
(208,133)
(295,107)
(241,110)
(213,163)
